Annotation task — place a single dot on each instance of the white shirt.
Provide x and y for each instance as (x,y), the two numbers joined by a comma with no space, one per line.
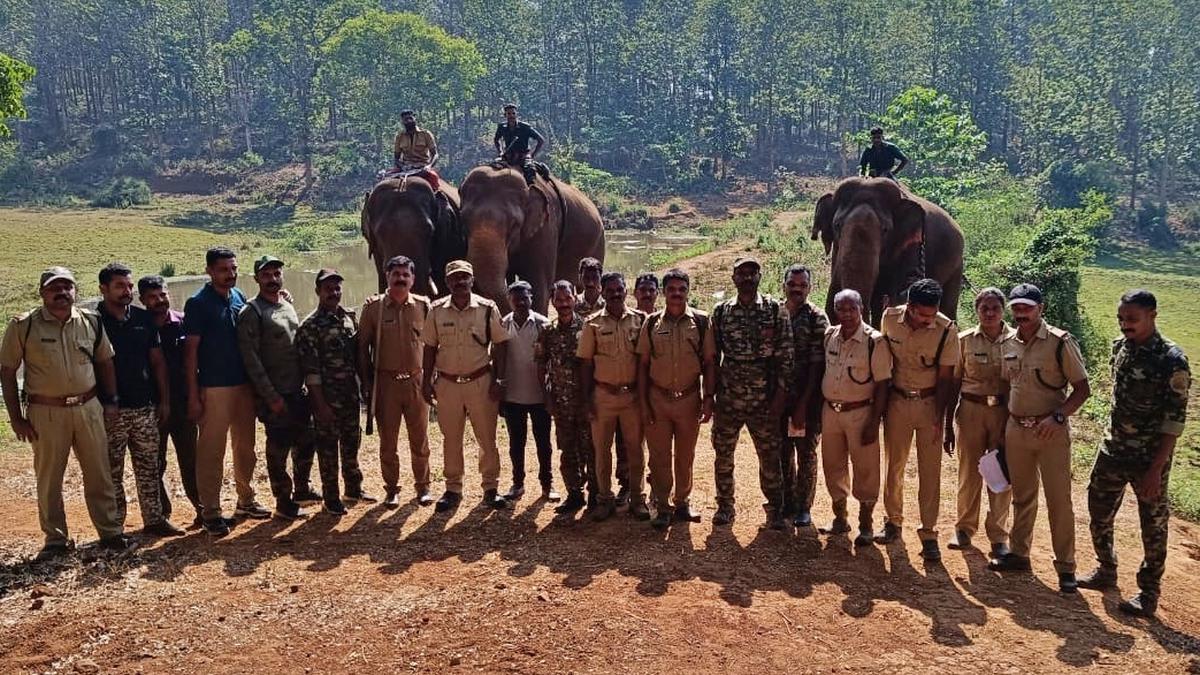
(521,372)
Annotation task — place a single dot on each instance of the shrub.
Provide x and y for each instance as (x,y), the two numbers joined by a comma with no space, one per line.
(123,193)
(248,160)
(1063,183)
(167,270)
(674,207)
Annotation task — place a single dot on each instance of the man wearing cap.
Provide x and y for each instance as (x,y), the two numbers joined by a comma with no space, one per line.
(267,340)
(466,347)
(802,414)
(64,351)
(675,348)
(327,346)
(753,338)
(980,416)
(389,356)
(1040,363)
(220,398)
(143,397)
(608,356)
(524,397)
(924,346)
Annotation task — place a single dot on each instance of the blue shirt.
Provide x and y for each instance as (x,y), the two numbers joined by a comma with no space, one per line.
(213,319)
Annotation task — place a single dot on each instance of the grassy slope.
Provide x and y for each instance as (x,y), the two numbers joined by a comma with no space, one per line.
(1175,280)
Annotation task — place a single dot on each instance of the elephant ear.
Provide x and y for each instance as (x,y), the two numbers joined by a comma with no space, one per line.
(539,202)
(449,236)
(365,223)
(908,224)
(823,221)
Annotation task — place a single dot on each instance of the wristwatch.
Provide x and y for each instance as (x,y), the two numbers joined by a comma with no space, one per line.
(1059,417)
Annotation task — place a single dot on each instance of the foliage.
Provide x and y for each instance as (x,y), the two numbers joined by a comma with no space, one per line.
(13,76)
(1064,182)
(123,193)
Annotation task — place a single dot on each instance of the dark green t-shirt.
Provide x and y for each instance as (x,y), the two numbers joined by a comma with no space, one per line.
(881,159)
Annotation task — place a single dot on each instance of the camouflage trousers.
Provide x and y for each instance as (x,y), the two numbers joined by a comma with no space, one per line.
(137,429)
(573,434)
(798,469)
(339,439)
(289,433)
(730,415)
(1106,489)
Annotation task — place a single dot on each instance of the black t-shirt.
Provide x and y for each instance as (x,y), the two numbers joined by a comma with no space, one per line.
(883,158)
(132,339)
(516,139)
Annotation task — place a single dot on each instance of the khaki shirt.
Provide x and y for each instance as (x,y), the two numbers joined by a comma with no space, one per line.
(417,148)
(612,345)
(399,345)
(849,377)
(979,361)
(914,350)
(677,353)
(57,355)
(1038,385)
(461,335)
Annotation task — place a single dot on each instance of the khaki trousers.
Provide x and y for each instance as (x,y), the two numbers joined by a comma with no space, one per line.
(675,420)
(455,404)
(609,409)
(1031,460)
(228,415)
(397,401)
(841,448)
(58,431)
(979,429)
(906,417)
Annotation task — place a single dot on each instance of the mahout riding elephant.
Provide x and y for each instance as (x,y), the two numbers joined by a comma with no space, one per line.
(538,231)
(402,216)
(882,238)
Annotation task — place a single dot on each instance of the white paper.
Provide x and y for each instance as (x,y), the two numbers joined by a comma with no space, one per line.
(992,472)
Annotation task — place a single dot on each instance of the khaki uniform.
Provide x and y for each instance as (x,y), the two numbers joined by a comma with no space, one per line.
(852,368)
(463,338)
(1038,382)
(611,344)
(58,362)
(678,348)
(415,149)
(392,332)
(979,427)
(912,410)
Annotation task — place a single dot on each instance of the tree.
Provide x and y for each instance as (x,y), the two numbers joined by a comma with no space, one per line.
(13,76)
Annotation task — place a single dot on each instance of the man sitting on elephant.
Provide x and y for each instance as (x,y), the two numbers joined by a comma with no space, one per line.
(515,151)
(879,159)
(416,150)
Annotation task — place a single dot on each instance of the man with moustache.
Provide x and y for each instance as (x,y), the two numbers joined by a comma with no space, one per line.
(220,398)
(645,291)
(1040,363)
(389,357)
(802,421)
(143,397)
(65,352)
(524,397)
(1151,378)
(267,340)
(327,346)
(154,296)
(978,411)
(466,346)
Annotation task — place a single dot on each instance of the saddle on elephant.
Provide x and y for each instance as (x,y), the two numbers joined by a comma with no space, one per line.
(425,172)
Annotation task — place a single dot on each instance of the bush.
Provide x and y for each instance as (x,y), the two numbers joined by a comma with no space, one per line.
(674,207)
(248,160)
(167,270)
(1063,183)
(123,193)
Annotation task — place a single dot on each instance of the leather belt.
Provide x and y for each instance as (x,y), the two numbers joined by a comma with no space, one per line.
(676,395)
(63,401)
(464,379)
(401,375)
(616,389)
(846,406)
(915,394)
(1029,422)
(991,401)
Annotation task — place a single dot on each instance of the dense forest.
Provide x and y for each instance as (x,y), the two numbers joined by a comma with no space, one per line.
(669,93)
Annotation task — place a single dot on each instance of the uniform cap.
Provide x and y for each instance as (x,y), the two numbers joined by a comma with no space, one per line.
(746,260)
(457,266)
(265,261)
(326,273)
(1025,294)
(54,273)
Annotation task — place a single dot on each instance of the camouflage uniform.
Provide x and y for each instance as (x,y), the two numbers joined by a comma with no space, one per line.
(585,309)
(799,457)
(572,430)
(754,347)
(328,351)
(1150,395)
(137,429)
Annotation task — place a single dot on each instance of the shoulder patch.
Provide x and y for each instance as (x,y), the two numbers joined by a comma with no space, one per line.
(1181,380)
(895,310)
(1058,333)
(963,334)
(942,320)
(372,299)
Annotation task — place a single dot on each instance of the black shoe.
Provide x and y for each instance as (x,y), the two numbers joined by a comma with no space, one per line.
(604,510)
(1141,604)
(573,503)
(685,513)
(638,510)
(1067,582)
(335,507)
(1000,549)
(515,492)
(391,498)
(865,537)
(959,541)
(802,519)
(447,501)
(838,526)
(164,528)
(118,543)
(661,520)
(55,550)
(1099,579)
(891,532)
(623,496)
(425,497)
(289,511)
(930,551)
(216,527)
(306,496)
(725,515)
(494,500)
(252,510)
(1010,563)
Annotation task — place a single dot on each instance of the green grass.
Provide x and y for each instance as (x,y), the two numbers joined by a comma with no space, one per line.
(1174,277)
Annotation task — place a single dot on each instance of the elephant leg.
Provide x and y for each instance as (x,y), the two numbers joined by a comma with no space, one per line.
(951,290)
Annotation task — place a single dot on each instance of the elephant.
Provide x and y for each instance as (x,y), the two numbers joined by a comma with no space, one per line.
(538,232)
(401,216)
(883,238)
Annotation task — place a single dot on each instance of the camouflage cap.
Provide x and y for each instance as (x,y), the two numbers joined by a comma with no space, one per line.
(55,273)
(746,260)
(459,266)
(266,261)
(327,273)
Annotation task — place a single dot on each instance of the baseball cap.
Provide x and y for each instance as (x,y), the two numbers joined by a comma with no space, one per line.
(1025,294)
(53,273)
(457,266)
(265,261)
(326,273)
(746,260)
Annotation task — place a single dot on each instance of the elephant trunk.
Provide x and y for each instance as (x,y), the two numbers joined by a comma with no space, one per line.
(488,253)
(856,262)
